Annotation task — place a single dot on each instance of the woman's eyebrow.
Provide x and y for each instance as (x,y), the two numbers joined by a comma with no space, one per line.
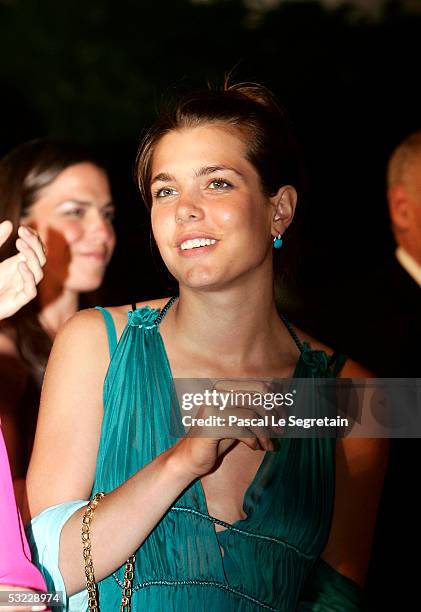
(162,176)
(84,203)
(205,170)
(109,204)
(71,202)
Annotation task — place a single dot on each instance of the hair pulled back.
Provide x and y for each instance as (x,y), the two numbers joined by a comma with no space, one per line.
(249,108)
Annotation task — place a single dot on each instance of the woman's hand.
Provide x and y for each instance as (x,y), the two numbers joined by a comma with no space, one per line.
(198,456)
(20,274)
(198,453)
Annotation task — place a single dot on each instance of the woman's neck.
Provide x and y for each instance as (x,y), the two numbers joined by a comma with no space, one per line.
(239,325)
(56,306)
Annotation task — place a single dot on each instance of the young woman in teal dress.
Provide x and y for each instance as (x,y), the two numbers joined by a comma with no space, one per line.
(225,524)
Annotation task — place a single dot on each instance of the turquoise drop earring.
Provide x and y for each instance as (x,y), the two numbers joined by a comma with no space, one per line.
(277,242)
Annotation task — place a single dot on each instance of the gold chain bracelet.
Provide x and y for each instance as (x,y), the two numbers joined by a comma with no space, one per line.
(89,567)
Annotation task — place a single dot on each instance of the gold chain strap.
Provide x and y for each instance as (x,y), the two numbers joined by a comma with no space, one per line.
(127,585)
(89,567)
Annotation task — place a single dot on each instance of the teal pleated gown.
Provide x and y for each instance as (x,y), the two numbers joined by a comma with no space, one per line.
(269,558)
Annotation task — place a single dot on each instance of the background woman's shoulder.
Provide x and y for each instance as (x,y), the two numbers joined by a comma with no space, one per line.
(8,339)
(13,372)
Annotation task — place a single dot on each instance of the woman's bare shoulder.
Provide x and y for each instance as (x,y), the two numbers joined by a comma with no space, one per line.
(87,321)
(120,313)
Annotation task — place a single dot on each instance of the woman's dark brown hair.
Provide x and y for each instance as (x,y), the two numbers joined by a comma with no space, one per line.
(24,173)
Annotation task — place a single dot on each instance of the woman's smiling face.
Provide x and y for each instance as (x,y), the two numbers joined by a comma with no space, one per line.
(73,216)
(210,218)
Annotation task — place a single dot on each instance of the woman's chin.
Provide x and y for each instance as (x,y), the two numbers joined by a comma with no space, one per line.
(84,285)
(205,283)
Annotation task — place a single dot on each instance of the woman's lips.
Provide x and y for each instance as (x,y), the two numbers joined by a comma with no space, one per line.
(195,243)
(197,251)
(99,256)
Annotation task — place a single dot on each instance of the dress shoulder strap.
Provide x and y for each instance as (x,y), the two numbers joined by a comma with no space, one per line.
(111,331)
(166,308)
(292,332)
(318,361)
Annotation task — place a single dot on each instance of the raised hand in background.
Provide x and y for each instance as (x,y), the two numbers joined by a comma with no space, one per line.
(20,274)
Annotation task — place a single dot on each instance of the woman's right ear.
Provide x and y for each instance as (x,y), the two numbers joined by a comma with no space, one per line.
(283,203)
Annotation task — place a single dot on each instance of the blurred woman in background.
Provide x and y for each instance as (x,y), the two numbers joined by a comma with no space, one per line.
(60,190)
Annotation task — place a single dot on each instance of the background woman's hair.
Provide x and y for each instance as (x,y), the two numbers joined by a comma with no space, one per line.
(24,173)
(255,114)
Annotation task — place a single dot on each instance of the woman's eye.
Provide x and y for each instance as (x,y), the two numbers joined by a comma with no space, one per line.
(219,184)
(109,215)
(164,192)
(74,212)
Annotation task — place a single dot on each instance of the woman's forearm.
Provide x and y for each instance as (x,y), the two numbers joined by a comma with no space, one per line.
(122,520)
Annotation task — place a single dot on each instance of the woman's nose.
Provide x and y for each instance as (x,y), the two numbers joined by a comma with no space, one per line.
(188,208)
(99,226)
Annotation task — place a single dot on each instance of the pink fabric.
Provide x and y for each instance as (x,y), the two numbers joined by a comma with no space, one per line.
(16,568)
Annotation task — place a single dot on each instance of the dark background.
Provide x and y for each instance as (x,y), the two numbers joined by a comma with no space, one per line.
(96,71)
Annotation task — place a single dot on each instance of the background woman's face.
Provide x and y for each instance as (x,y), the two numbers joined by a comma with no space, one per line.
(210,218)
(73,217)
